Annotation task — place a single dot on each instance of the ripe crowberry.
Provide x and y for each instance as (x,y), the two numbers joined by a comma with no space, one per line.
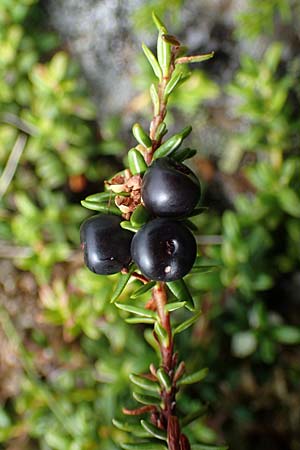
(106,245)
(170,189)
(164,250)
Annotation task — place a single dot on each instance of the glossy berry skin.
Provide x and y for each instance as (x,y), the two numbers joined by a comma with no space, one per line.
(164,249)
(170,189)
(106,245)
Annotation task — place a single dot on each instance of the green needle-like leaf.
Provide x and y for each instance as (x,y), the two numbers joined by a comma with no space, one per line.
(136,320)
(143,289)
(209,447)
(143,446)
(161,334)
(136,310)
(139,216)
(153,61)
(164,380)
(141,136)
(155,99)
(100,197)
(199,267)
(158,22)
(136,162)
(174,306)
(144,383)
(163,52)
(172,84)
(194,377)
(168,147)
(161,131)
(181,154)
(128,226)
(198,211)
(187,323)
(106,209)
(190,225)
(122,282)
(154,431)
(135,429)
(146,399)
(181,292)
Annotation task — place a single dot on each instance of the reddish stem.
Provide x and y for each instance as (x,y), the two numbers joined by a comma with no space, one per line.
(169,361)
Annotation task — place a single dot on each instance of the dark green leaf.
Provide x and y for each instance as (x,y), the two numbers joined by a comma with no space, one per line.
(135,320)
(122,282)
(135,429)
(181,154)
(143,446)
(100,197)
(199,267)
(153,61)
(174,306)
(161,131)
(185,132)
(187,323)
(172,83)
(136,310)
(181,292)
(161,334)
(144,383)
(128,226)
(190,225)
(155,99)
(164,379)
(146,399)
(194,377)
(106,209)
(139,216)
(141,136)
(159,24)
(168,146)
(154,431)
(143,289)
(136,162)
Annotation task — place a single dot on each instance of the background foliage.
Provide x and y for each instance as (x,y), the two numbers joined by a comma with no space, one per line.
(65,351)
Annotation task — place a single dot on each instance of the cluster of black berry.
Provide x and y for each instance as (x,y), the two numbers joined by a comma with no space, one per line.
(164,249)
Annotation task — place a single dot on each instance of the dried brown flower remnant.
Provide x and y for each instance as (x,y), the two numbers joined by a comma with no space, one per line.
(130,184)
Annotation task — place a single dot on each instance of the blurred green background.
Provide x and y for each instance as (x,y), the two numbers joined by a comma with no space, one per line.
(65,120)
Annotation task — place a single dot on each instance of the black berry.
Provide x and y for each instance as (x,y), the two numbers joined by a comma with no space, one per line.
(106,245)
(164,250)
(170,189)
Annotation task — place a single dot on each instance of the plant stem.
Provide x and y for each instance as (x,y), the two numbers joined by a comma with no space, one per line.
(168,419)
(163,101)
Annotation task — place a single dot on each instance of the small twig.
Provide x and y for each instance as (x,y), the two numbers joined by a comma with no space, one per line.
(15,121)
(12,163)
(139,411)
(140,277)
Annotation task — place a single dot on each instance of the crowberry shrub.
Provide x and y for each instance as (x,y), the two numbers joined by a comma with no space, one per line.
(143,232)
